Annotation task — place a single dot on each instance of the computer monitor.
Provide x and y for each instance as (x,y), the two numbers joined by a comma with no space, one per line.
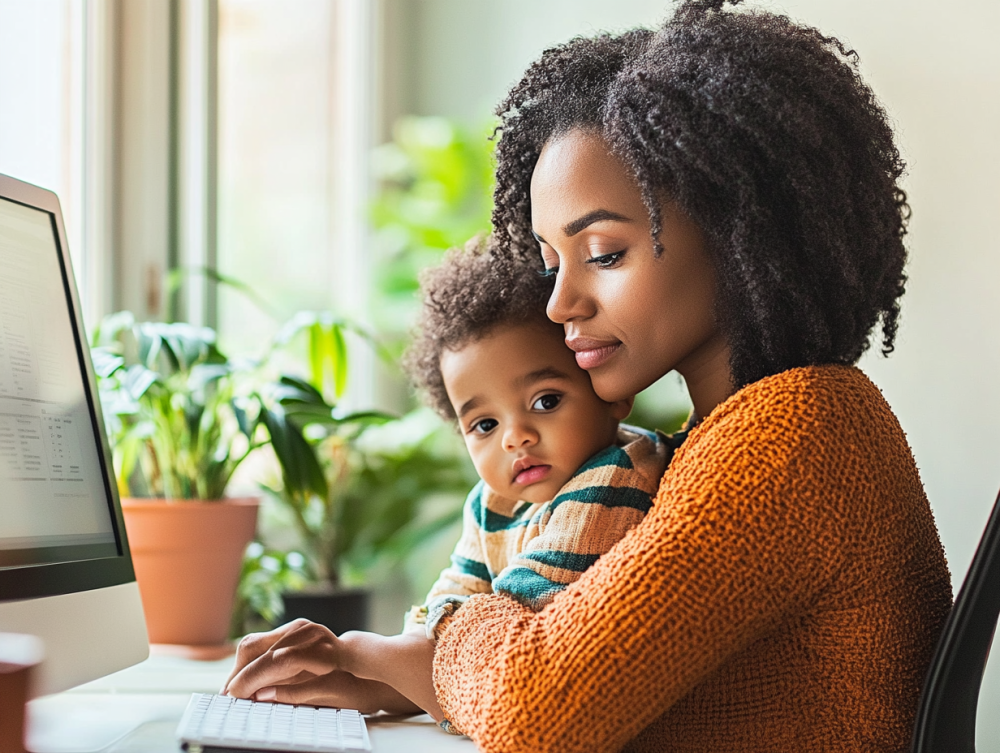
(65,570)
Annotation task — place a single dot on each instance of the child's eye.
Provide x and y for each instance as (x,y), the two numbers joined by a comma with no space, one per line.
(546,402)
(607,261)
(485,426)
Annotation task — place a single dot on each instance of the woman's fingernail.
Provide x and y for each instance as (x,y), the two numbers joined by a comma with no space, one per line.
(266,694)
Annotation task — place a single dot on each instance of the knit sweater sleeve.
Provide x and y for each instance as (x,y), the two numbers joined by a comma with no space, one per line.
(742,533)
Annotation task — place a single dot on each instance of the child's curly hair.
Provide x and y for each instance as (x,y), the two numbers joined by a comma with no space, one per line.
(764,133)
(465,298)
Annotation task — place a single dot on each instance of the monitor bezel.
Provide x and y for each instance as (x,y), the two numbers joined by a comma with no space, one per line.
(53,579)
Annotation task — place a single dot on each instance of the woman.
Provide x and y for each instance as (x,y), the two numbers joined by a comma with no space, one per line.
(719,198)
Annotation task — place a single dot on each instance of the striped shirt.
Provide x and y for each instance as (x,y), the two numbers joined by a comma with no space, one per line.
(531,551)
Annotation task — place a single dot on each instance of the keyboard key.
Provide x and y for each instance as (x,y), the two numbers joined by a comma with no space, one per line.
(224,721)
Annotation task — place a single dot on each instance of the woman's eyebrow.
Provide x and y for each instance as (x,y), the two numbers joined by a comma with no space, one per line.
(598,215)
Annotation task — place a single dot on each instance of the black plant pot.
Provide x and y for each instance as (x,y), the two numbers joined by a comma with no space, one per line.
(340,610)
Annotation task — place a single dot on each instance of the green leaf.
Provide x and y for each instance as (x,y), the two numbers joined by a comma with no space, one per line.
(300,468)
(317,354)
(110,328)
(340,362)
(247,427)
(138,379)
(105,362)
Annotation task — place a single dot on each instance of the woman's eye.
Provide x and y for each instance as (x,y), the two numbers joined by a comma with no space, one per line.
(546,402)
(485,426)
(607,261)
(550,265)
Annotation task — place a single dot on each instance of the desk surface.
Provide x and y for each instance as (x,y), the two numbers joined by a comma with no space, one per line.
(137,711)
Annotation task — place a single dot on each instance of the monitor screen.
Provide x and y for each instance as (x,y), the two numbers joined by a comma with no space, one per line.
(55,505)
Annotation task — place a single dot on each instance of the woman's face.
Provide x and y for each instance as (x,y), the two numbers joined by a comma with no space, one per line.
(630,316)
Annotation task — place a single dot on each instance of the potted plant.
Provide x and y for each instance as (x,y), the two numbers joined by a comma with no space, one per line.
(181,418)
(360,489)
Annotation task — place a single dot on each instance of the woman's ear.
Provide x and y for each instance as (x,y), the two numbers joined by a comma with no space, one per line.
(621,408)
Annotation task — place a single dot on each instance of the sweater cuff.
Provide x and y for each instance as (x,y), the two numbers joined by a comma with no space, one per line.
(440,612)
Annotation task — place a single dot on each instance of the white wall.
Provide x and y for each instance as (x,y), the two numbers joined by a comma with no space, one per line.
(936,68)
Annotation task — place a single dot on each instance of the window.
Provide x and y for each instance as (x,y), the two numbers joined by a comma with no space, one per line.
(292,161)
(41,107)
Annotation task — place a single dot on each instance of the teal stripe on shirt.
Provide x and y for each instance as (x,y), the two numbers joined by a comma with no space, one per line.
(565,560)
(487,519)
(608,496)
(471,567)
(615,456)
(527,586)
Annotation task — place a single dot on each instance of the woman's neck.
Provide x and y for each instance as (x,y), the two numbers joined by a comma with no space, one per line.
(708,376)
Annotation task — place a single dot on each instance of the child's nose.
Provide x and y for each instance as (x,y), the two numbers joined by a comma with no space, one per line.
(518,436)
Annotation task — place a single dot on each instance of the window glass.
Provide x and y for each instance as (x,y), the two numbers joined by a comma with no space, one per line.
(41,117)
(275,167)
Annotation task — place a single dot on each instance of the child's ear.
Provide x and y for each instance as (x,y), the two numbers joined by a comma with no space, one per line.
(621,408)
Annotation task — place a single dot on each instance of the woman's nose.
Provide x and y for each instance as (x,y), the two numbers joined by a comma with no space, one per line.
(567,301)
(519,435)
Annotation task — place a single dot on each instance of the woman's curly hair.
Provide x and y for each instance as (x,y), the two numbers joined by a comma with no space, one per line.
(764,133)
(465,298)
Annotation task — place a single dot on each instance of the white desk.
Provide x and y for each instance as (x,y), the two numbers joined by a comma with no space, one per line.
(137,711)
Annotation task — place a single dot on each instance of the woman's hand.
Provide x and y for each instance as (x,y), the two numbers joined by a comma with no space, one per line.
(303,662)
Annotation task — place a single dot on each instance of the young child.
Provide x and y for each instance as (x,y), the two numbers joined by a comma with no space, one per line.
(562,481)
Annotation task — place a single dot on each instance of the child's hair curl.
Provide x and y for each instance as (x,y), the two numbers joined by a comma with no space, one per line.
(465,298)
(764,133)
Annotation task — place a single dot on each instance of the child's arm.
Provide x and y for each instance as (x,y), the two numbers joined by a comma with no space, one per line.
(468,572)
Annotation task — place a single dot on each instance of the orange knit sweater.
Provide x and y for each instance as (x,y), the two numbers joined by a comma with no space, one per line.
(784,594)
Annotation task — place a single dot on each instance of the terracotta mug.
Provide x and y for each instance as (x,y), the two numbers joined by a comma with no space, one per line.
(18,656)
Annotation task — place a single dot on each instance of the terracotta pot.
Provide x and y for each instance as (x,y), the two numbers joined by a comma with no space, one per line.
(187,557)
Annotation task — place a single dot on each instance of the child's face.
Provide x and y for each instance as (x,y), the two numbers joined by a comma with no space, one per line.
(528,413)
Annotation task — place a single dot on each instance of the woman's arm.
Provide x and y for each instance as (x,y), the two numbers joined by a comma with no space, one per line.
(730,547)
(303,662)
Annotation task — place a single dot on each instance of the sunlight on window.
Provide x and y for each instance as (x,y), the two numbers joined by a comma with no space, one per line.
(276,82)
(41,118)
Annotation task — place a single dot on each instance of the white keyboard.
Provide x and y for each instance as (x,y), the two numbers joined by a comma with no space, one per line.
(218,721)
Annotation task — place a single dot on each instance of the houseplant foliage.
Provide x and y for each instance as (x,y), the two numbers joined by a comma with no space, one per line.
(180,416)
(360,490)
(435,185)
(267,573)
(371,505)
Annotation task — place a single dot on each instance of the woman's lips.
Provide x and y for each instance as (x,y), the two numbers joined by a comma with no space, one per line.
(532,474)
(592,353)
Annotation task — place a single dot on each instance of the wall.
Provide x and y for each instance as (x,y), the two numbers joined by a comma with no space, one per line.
(936,68)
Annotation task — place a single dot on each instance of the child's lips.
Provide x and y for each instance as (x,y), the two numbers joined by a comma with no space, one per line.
(532,474)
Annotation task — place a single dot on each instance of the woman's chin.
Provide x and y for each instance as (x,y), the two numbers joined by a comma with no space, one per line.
(613,384)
